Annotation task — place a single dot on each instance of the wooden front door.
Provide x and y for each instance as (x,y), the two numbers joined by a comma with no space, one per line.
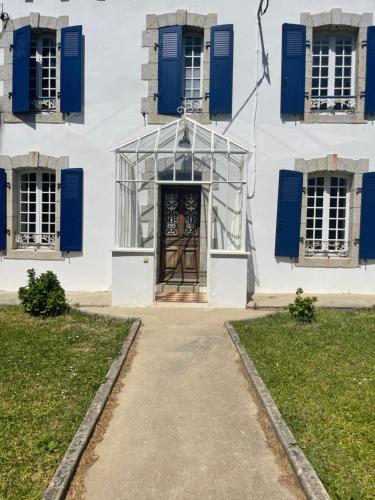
(180,227)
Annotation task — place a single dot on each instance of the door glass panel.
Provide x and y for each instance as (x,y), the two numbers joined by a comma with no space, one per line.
(191,212)
(171,214)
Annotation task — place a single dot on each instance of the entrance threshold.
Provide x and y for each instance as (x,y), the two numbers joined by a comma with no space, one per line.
(181,297)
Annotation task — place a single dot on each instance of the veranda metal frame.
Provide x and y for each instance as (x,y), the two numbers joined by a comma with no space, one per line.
(183,138)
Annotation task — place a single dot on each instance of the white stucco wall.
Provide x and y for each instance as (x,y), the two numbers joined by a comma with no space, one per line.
(113,91)
(227,281)
(133,279)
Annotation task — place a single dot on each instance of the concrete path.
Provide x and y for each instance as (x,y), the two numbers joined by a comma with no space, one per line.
(186,425)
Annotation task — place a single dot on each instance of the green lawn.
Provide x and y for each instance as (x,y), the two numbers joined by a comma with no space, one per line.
(50,371)
(322,378)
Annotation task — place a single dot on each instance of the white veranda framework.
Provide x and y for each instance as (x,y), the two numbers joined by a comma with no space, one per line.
(182,152)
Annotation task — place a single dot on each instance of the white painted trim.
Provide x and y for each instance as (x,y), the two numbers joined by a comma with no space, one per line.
(149,251)
(232,253)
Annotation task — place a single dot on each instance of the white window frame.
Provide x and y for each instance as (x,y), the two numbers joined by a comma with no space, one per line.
(37,238)
(41,103)
(193,103)
(333,104)
(315,247)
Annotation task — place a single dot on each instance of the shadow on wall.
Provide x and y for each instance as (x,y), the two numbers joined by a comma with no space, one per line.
(252,267)
(264,76)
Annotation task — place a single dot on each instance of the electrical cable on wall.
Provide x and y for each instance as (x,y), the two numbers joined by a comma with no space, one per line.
(3,15)
(262,9)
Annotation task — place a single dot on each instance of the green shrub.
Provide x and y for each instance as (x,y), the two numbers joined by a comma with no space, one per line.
(43,296)
(303,308)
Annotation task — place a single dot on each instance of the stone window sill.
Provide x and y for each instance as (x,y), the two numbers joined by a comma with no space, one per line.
(33,118)
(327,262)
(156,119)
(347,118)
(31,254)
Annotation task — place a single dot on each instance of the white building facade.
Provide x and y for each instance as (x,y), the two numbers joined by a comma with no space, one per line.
(224,148)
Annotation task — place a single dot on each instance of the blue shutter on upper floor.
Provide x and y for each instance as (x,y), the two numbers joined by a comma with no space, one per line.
(21,70)
(293,67)
(221,69)
(289,206)
(71,69)
(71,210)
(3,193)
(370,71)
(170,70)
(367,226)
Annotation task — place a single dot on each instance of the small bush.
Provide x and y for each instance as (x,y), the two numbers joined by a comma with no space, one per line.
(43,296)
(303,308)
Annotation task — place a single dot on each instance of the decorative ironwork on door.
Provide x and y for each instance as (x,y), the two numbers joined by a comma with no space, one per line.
(191,214)
(171,214)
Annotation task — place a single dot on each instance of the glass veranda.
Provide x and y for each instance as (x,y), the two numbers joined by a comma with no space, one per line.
(182,152)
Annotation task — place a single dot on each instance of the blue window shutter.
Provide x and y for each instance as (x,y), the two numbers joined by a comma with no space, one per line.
(289,207)
(71,210)
(71,69)
(367,226)
(370,71)
(293,66)
(221,69)
(21,70)
(3,193)
(170,70)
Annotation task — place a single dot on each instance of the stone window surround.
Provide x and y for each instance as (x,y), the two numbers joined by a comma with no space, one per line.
(13,166)
(342,21)
(330,164)
(6,70)
(150,70)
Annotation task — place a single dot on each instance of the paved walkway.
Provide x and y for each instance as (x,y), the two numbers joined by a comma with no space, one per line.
(186,425)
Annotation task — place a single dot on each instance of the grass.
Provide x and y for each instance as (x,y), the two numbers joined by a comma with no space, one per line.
(322,378)
(50,371)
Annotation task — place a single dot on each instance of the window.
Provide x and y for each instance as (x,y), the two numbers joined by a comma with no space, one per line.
(327,218)
(325,212)
(41,209)
(190,66)
(43,72)
(193,67)
(333,73)
(36,90)
(327,69)
(36,210)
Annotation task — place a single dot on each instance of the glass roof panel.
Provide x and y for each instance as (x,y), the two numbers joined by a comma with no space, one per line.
(131,147)
(202,139)
(185,137)
(235,148)
(147,142)
(183,134)
(220,143)
(167,137)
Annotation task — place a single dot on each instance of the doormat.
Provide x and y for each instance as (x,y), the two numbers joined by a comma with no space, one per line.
(185,297)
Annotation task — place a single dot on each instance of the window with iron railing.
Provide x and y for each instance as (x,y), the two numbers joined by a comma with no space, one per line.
(43,72)
(193,67)
(333,73)
(36,210)
(327,217)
